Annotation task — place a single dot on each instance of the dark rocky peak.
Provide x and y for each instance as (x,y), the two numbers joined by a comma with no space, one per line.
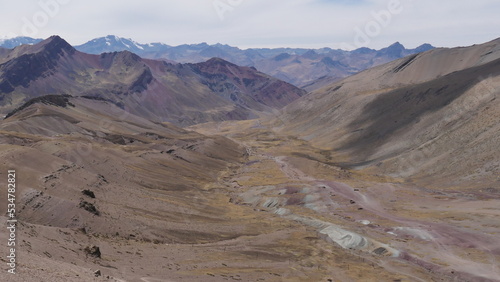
(396,46)
(53,45)
(33,62)
(396,50)
(215,66)
(311,54)
(126,57)
(217,60)
(423,48)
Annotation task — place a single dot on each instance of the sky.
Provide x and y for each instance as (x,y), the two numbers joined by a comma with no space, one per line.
(345,24)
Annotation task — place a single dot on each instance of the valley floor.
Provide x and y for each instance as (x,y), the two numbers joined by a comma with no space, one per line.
(416,233)
(286,213)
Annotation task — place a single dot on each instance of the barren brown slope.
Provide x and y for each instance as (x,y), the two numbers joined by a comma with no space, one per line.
(419,116)
(246,86)
(152,89)
(91,174)
(157,200)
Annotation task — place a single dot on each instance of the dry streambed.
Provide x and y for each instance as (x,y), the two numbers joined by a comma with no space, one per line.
(364,221)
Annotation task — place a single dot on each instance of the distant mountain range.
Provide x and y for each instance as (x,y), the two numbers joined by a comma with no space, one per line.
(183,94)
(17,41)
(299,66)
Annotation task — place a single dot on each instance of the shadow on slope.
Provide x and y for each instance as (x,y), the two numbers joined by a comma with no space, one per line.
(395,111)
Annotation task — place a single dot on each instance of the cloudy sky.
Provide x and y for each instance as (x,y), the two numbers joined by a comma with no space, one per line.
(343,24)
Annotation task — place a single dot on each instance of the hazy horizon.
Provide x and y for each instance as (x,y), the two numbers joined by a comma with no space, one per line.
(221,43)
(336,24)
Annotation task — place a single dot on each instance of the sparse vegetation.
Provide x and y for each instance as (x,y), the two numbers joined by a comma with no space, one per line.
(89,207)
(88,193)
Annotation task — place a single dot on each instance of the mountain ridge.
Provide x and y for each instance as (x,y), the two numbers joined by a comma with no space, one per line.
(293,71)
(149,88)
(372,119)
